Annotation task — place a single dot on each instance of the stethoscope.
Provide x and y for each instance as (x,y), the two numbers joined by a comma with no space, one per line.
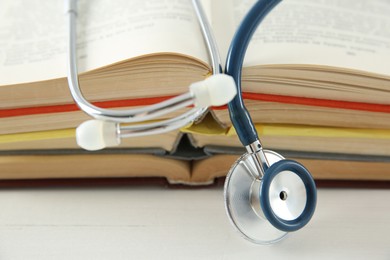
(266,196)
(105,130)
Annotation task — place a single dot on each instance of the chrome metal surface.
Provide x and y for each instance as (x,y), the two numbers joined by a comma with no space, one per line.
(287,195)
(208,36)
(255,149)
(242,206)
(122,116)
(149,112)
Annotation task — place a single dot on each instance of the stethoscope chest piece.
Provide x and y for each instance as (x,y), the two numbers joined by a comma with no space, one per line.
(265,210)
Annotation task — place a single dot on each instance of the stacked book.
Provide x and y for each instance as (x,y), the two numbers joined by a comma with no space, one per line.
(316,80)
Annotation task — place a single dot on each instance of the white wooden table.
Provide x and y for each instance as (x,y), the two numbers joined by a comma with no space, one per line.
(160,223)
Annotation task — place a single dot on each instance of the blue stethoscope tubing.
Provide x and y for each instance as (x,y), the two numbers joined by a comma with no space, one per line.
(238,113)
(246,130)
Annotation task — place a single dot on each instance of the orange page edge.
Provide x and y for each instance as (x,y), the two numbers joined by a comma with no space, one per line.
(371,107)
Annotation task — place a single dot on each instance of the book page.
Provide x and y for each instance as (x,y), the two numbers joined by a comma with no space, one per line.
(33,35)
(352,34)
(224,23)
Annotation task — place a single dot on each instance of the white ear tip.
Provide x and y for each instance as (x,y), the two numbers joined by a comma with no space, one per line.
(216,90)
(222,89)
(94,135)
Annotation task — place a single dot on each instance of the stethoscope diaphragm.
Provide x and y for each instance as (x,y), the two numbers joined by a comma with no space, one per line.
(241,196)
(265,210)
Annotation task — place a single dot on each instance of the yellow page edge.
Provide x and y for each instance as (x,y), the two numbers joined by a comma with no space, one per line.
(216,130)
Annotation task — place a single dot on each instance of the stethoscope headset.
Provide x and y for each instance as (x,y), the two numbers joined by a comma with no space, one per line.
(266,196)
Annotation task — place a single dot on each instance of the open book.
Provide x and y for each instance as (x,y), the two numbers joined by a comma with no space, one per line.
(199,172)
(326,59)
(310,63)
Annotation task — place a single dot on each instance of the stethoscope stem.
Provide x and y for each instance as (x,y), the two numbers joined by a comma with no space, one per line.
(255,150)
